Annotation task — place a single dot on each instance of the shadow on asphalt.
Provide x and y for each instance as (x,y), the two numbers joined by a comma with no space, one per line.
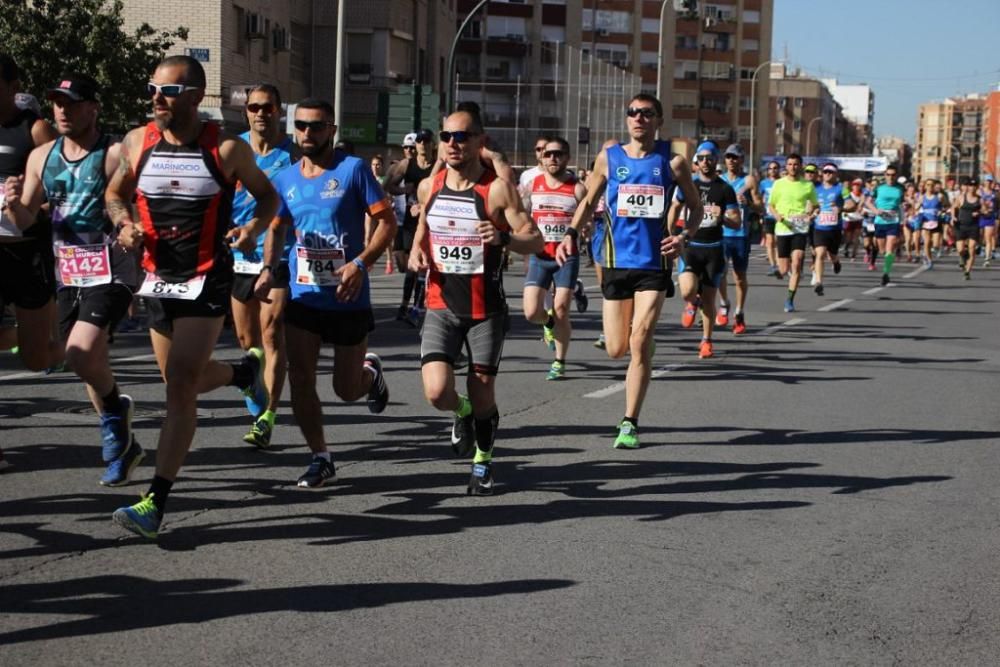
(117,603)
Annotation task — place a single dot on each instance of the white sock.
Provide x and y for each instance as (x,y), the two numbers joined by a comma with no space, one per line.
(323,455)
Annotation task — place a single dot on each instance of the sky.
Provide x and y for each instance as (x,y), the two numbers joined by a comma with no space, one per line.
(908,51)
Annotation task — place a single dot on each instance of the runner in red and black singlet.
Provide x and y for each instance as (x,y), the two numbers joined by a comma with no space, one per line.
(468,216)
(181,171)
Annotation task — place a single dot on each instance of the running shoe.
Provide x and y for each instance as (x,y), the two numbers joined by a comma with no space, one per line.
(968,275)
(929,264)
(413,316)
(773,271)
(741,326)
(481,480)
(320,472)
(556,371)
(599,343)
(986,263)
(116,430)
(812,279)
(549,334)
(259,434)
(885,279)
(142,518)
(256,395)
(463,435)
(819,289)
(628,436)
(119,471)
(401,313)
(580,296)
(690,310)
(836,267)
(789,306)
(378,395)
(777,273)
(871,267)
(705,350)
(722,317)
(4,463)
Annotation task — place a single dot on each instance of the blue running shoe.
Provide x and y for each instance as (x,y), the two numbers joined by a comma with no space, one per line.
(142,518)
(116,430)
(256,395)
(119,471)
(789,306)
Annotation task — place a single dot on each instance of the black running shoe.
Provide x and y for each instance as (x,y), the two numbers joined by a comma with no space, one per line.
(819,289)
(836,267)
(580,296)
(463,435)
(885,279)
(481,480)
(378,395)
(319,473)
(401,314)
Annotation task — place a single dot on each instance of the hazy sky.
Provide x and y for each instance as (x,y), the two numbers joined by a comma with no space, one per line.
(908,51)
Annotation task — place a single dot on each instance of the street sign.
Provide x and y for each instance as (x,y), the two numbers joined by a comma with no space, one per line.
(583,136)
(201,55)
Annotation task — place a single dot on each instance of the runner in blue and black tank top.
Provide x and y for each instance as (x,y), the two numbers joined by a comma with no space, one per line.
(931,212)
(772,173)
(988,220)
(260,324)
(637,248)
(736,242)
(95,276)
(826,224)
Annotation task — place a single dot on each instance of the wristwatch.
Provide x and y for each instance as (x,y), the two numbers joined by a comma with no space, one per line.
(505,239)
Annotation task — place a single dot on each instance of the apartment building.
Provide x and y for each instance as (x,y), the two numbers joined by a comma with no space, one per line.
(991,134)
(858,104)
(949,138)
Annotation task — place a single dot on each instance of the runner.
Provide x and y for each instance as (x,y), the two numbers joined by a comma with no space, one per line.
(95,277)
(826,226)
(912,222)
(736,242)
(988,219)
(404,179)
(793,200)
(324,200)
(931,211)
(260,323)
(637,247)
(703,262)
(528,176)
(182,173)
(887,205)
(552,199)
(773,174)
(468,215)
(966,212)
(854,217)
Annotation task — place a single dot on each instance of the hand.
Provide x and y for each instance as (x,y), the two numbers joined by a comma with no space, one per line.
(130,236)
(243,239)
(565,250)
(489,234)
(352,281)
(672,246)
(714,210)
(418,260)
(415,210)
(13,187)
(262,290)
(741,199)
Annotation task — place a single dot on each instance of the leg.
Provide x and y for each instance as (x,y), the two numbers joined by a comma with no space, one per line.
(246,322)
(534,304)
(617,316)
(272,324)
(742,289)
(34,336)
(795,266)
(820,261)
(707,311)
(563,328)
(647,306)
(87,355)
(439,385)
(303,357)
(350,379)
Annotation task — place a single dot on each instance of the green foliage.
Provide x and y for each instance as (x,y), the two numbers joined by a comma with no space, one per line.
(49,38)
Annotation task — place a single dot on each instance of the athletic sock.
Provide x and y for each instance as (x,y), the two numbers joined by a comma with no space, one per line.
(242,375)
(112,402)
(791,294)
(486,431)
(634,421)
(464,408)
(561,362)
(323,455)
(160,489)
(890,259)
(409,282)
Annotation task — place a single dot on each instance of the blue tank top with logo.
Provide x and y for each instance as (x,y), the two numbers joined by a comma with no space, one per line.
(637,196)
(829,197)
(244,204)
(765,192)
(739,187)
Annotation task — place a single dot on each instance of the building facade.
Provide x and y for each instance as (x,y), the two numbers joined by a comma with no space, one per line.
(858,104)
(991,134)
(807,118)
(950,138)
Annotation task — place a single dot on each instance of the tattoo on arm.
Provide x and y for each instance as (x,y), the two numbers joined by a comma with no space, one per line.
(118,210)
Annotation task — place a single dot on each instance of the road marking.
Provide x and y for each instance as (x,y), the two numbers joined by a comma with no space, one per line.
(915,272)
(31,374)
(835,305)
(778,327)
(620,386)
(874,290)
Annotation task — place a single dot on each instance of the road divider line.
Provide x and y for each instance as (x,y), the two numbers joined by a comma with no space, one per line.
(874,290)
(835,305)
(915,272)
(620,386)
(778,327)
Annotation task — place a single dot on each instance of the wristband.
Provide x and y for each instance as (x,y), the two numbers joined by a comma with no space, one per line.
(573,233)
(266,267)
(360,263)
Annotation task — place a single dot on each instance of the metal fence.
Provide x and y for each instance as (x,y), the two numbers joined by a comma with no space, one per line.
(571,94)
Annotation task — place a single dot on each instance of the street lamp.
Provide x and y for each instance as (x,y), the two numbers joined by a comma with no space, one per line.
(753,107)
(450,93)
(659,51)
(809,136)
(338,78)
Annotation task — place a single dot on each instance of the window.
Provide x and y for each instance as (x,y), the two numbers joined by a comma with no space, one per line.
(687,42)
(299,61)
(685,99)
(241,30)
(746,73)
(798,102)
(745,102)
(797,125)
(751,16)
(751,45)
(265,44)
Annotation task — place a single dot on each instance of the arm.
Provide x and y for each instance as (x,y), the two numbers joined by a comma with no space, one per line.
(682,174)
(25,194)
(121,189)
(42,132)
(238,160)
(584,214)
(525,237)
(753,189)
(395,176)
(500,164)
(273,244)
(421,247)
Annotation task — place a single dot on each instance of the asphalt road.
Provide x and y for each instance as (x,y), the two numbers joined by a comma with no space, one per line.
(823,491)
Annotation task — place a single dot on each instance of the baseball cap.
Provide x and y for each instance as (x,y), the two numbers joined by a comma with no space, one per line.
(27,101)
(988,177)
(77,87)
(410,139)
(857,181)
(811,168)
(734,149)
(708,147)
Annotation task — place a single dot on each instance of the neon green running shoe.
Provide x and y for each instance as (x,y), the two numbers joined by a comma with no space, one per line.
(628,436)
(260,434)
(549,334)
(556,371)
(142,518)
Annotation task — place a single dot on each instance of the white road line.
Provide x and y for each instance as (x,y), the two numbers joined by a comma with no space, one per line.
(778,327)
(915,272)
(874,290)
(31,374)
(835,305)
(620,386)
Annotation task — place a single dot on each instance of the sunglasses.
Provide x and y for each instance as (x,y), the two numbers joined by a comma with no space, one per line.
(734,157)
(555,154)
(704,158)
(266,107)
(645,112)
(460,136)
(168,89)
(313,125)
(829,171)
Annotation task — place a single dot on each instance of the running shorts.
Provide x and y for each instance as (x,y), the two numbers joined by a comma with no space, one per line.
(967,233)
(212,302)
(243,283)
(27,280)
(787,244)
(827,238)
(334,327)
(543,272)
(104,306)
(621,284)
(707,263)
(736,249)
(444,335)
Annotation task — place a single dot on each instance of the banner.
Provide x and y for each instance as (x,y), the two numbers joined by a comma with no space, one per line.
(874,163)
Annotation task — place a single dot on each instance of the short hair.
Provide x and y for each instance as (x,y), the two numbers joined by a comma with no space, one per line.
(316,103)
(545,136)
(646,97)
(9,71)
(793,156)
(775,163)
(377,156)
(195,73)
(268,88)
(477,124)
(893,166)
(562,143)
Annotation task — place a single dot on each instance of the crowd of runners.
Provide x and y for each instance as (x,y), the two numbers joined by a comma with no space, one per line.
(281,235)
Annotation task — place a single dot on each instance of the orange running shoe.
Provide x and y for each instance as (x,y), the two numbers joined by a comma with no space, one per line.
(741,326)
(690,310)
(722,317)
(705,351)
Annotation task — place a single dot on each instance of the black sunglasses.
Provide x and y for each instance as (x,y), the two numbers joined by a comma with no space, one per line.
(313,125)
(703,158)
(730,156)
(645,112)
(829,171)
(555,154)
(266,107)
(460,136)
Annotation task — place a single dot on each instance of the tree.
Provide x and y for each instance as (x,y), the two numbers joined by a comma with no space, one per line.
(49,38)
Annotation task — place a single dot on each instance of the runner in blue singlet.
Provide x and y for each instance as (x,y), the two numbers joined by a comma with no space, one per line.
(736,242)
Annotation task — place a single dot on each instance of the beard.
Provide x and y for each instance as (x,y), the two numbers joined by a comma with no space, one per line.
(314,150)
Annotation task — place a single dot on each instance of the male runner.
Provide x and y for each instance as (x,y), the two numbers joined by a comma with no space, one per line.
(260,323)
(94,276)
(887,205)
(767,227)
(637,247)
(736,242)
(826,225)
(703,262)
(404,179)
(793,199)
(324,199)
(528,176)
(468,215)
(182,172)
(552,198)
(854,199)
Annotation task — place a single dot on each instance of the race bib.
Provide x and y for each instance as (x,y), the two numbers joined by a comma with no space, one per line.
(457,246)
(798,223)
(870,225)
(827,219)
(709,221)
(248,268)
(84,265)
(318,266)
(156,287)
(930,224)
(640,201)
(553,229)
